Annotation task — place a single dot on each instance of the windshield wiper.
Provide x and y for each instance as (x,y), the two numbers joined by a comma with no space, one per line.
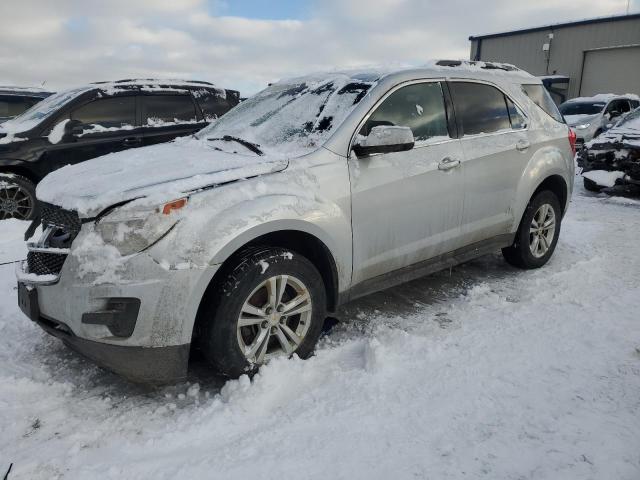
(250,146)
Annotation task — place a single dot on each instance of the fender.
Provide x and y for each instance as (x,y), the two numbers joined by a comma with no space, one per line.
(546,162)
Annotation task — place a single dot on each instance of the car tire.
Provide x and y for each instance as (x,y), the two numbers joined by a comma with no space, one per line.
(591,185)
(244,295)
(17,197)
(537,234)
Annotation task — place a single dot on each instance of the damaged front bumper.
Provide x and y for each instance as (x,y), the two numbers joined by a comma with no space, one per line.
(138,325)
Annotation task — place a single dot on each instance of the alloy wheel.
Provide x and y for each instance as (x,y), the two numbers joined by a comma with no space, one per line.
(274,319)
(15,202)
(542,230)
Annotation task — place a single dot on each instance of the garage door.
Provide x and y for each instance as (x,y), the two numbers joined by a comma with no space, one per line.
(612,70)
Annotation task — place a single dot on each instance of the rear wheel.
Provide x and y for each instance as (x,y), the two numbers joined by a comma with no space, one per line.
(537,234)
(17,197)
(272,303)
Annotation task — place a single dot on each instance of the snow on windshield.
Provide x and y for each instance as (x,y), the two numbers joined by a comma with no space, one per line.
(294,117)
(41,110)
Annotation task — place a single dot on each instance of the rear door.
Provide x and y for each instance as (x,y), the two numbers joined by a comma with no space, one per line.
(496,148)
(107,125)
(167,116)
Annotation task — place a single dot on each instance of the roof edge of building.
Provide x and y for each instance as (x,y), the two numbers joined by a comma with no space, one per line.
(613,18)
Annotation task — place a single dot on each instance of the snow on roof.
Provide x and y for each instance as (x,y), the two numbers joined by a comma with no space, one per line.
(603,97)
(154,85)
(432,67)
(11,88)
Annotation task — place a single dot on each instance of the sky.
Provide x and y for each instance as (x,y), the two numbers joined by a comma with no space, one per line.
(245,44)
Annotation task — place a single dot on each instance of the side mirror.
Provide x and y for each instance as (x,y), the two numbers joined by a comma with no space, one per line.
(384,139)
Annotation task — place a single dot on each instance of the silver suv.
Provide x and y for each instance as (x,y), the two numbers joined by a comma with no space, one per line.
(315,191)
(590,116)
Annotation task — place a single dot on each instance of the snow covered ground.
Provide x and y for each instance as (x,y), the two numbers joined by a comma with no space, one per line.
(488,373)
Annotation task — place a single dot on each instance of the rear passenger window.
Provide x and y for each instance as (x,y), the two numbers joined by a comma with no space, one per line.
(540,96)
(161,109)
(107,112)
(419,106)
(480,108)
(213,106)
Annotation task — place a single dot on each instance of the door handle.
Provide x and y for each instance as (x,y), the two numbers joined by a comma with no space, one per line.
(522,145)
(447,163)
(132,141)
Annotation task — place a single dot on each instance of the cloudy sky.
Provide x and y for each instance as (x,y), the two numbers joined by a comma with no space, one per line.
(245,44)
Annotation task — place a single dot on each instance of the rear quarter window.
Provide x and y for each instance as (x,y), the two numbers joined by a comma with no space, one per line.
(540,96)
(215,104)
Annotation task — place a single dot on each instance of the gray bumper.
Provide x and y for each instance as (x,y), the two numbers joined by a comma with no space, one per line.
(158,365)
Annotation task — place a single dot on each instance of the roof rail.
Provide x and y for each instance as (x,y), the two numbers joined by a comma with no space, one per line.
(161,81)
(486,65)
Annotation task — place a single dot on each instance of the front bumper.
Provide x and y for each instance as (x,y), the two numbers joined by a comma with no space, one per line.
(156,366)
(72,305)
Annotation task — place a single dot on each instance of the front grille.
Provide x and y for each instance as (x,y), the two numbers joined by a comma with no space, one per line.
(65,226)
(67,220)
(41,263)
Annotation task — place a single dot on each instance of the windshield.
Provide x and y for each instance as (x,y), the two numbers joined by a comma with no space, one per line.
(581,108)
(42,110)
(293,117)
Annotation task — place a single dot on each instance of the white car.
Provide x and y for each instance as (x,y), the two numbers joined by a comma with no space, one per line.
(590,116)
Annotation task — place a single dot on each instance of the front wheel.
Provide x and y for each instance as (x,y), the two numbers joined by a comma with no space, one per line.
(272,303)
(537,234)
(17,197)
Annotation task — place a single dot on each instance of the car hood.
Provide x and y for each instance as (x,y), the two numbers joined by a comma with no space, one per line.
(158,173)
(573,120)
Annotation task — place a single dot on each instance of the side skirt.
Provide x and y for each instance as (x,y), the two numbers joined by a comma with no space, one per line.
(426,267)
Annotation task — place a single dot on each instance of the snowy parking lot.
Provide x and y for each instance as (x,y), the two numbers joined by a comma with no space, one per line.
(482,372)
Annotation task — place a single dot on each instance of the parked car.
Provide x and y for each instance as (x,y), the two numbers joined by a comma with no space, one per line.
(16,100)
(87,122)
(315,191)
(611,162)
(590,116)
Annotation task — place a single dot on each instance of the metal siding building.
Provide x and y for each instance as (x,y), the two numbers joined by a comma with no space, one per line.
(599,56)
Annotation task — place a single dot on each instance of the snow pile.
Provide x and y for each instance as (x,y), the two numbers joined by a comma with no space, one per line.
(57,132)
(603,177)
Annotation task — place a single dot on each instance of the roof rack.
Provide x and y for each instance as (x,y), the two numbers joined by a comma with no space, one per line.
(161,81)
(486,65)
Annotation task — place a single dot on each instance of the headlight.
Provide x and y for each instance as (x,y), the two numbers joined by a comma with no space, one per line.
(582,126)
(132,229)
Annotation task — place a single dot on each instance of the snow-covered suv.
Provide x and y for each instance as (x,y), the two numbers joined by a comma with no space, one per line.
(315,191)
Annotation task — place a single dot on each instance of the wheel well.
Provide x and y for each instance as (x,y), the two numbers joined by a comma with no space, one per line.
(300,242)
(23,172)
(558,186)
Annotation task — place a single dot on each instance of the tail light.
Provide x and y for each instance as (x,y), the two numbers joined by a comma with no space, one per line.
(572,140)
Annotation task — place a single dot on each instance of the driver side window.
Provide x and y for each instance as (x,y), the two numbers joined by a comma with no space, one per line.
(419,106)
(107,112)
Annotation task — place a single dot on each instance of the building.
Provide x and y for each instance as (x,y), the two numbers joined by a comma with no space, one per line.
(582,58)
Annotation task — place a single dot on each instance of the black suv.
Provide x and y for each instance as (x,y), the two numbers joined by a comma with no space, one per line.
(83,123)
(15,100)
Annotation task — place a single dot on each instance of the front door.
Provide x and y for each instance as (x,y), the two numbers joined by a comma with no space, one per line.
(107,125)
(407,206)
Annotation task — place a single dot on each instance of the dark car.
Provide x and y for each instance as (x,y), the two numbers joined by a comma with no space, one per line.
(15,100)
(87,122)
(611,162)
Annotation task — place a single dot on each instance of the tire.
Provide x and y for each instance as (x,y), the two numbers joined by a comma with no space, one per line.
(521,253)
(17,197)
(243,291)
(591,185)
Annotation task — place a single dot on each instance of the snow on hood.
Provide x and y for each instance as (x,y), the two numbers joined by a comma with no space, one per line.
(158,173)
(573,120)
